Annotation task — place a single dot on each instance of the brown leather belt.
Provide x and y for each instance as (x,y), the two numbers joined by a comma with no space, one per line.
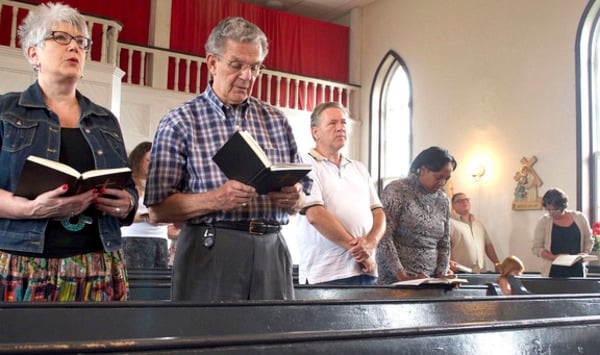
(252,227)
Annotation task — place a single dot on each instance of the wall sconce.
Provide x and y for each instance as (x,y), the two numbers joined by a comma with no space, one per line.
(477,172)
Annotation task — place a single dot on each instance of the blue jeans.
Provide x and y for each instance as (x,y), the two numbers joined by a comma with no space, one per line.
(364,280)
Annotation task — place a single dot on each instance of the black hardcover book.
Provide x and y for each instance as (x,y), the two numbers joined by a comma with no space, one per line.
(40,175)
(242,159)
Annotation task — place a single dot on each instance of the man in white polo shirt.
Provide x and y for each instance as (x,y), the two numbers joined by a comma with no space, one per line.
(342,220)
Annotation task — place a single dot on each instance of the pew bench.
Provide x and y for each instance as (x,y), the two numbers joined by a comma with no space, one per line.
(322,292)
(556,324)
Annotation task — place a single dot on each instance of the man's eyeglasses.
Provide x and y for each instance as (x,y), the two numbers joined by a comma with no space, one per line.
(237,66)
(65,38)
(461,200)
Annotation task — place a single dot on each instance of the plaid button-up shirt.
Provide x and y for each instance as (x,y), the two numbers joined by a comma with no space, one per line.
(189,135)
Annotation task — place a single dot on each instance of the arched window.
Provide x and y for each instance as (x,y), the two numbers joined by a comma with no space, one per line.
(391,124)
(588,111)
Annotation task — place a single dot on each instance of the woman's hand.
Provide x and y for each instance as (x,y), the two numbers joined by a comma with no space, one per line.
(403,276)
(114,202)
(52,203)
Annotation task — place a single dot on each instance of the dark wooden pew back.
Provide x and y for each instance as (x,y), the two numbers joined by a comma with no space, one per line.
(70,326)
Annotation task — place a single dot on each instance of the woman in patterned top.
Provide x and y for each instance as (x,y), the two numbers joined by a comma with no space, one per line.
(416,243)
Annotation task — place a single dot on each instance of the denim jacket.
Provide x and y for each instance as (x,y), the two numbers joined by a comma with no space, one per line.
(27,127)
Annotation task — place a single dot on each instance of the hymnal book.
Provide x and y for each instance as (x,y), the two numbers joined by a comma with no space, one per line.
(241,158)
(569,260)
(431,281)
(40,175)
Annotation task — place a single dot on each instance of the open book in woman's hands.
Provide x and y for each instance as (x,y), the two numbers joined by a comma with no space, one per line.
(40,175)
(571,259)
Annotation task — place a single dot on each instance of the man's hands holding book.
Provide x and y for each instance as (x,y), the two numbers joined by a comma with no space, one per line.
(234,194)
(288,198)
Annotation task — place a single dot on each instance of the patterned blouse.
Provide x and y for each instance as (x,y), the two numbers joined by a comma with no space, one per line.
(417,236)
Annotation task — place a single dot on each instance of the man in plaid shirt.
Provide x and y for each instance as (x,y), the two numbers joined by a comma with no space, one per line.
(231,246)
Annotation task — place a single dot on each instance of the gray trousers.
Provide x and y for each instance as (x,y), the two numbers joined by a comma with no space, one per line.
(238,266)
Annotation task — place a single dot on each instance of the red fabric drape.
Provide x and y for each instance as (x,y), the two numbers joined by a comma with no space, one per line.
(296,44)
(134,15)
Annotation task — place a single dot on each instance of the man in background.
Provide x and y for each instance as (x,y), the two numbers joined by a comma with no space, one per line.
(343,218)
(469,240)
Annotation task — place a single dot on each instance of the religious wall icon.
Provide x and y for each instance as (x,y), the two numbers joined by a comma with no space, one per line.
(526,195)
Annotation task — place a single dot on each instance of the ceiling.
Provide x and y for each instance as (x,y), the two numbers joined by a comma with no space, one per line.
(336,11)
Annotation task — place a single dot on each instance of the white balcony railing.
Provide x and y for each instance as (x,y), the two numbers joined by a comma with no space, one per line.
(169,70)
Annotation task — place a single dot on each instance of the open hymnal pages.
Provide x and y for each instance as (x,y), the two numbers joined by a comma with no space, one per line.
(431,280)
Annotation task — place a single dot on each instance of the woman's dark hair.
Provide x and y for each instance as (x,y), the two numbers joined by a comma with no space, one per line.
(556,198)
(136,156)
(434,159)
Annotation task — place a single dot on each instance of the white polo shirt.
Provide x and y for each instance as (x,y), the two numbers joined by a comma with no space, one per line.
(349,195)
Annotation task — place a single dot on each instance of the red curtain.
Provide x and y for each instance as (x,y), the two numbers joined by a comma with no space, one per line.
(134,15)
(296,44)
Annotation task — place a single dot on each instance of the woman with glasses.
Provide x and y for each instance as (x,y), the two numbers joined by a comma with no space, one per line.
(54,247)
(561,231)
(416,243)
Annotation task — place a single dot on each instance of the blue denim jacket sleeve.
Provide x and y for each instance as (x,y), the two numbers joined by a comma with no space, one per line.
(27,127)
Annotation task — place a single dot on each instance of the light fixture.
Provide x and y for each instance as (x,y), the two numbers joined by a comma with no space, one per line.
(478,171)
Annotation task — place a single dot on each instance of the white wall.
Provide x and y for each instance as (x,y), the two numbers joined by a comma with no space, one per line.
(493,80)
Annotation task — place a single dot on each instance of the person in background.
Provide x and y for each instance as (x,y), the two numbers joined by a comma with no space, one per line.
(145,244)
(172,232)
(53,247)
(510,268)
(416,243)
(231,246)
(469,240)
(344,219)
(561,231)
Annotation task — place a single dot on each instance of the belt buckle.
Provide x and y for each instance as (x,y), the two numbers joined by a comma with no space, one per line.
(255,224)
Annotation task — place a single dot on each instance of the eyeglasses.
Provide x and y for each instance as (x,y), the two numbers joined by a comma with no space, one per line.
(237,66)
(65,38)
(461,200)
(553,209)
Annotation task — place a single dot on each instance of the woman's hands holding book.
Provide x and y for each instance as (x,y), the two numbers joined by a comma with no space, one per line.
(114,202)
(52,204)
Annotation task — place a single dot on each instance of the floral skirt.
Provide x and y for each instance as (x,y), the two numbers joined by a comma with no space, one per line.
(97,276)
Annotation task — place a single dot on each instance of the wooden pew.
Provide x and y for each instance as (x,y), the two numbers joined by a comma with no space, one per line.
(149,284)
(154,285)
(556,336)
(314,292)
(446,325)
(543,285)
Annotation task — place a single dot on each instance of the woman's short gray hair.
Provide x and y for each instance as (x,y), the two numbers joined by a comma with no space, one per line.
(237,29)
(43,18)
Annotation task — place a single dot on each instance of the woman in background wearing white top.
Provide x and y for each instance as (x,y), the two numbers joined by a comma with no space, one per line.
(144,243)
